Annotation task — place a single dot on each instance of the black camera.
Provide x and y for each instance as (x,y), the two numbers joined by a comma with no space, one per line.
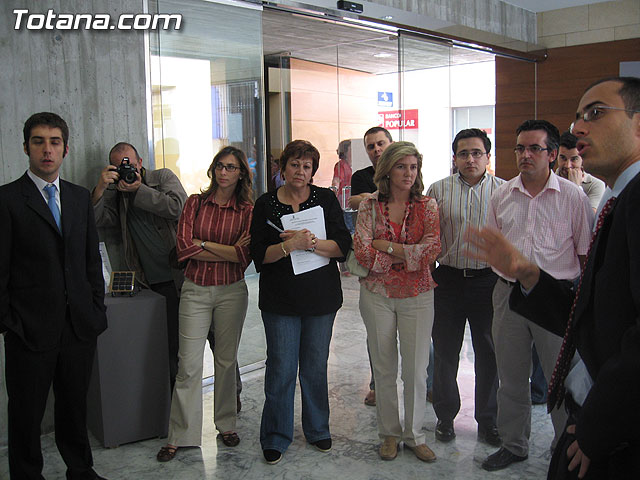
(126,171)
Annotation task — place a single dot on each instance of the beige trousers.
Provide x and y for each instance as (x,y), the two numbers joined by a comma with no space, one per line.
(513,336)
(407,321)
(226,306)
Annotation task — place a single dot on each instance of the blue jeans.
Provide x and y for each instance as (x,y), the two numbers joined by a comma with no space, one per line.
(294,341)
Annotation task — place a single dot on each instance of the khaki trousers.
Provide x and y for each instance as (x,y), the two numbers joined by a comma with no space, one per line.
(407,321)
(513,336)
(228,304)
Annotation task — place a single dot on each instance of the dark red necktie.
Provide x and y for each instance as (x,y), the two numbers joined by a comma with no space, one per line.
(568,349)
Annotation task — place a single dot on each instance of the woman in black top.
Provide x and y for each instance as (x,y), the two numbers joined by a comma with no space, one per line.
(297,310)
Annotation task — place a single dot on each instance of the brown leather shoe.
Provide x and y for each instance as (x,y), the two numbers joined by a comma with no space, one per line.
(423,453)
(167,453)
(388,449)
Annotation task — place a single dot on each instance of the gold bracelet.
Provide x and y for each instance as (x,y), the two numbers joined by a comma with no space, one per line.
(286,254)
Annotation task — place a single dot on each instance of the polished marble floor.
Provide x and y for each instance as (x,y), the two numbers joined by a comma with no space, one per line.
(353,427)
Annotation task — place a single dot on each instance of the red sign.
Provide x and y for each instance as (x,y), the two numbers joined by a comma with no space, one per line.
(397,119)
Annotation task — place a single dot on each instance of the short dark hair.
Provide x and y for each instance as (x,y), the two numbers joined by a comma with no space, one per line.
(121,146)
(472,133)
(568,140)
(300,149)
(629,91)
(553,134)
(49,119)
(373,130)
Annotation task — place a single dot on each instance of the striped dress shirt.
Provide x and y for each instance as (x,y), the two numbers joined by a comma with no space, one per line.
(459,205)
(550,229)
(222,224)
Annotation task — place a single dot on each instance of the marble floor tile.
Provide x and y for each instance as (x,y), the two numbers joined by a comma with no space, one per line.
(353,426)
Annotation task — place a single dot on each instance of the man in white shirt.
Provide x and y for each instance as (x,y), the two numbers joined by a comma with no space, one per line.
(464,288)
(549,219)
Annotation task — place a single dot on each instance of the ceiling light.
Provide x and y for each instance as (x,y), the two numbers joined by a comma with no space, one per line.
(387,17)
(382,55)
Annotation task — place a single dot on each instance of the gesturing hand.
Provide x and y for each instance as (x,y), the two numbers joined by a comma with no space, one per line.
(490,246)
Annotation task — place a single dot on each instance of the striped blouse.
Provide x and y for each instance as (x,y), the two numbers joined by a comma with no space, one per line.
(213,223)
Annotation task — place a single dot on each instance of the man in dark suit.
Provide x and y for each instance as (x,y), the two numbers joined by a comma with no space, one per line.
(598,369)
(51,302)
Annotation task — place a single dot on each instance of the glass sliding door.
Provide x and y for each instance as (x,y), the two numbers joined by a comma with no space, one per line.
(425,103)
(207,93)
(207,88)
(444,89)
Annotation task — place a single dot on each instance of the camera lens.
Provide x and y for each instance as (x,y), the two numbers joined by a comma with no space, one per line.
(129,177)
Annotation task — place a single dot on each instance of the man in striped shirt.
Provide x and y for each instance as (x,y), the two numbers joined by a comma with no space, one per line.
(464,288)
(549,219)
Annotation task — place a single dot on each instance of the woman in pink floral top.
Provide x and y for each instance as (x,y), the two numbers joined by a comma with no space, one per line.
(396,298)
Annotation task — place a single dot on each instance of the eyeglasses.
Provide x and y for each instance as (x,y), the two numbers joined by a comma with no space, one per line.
(229,167)
(533,149)
(474,153)
(596,112)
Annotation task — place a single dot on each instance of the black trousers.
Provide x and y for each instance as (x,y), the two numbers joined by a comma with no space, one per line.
(457,299)
(169,292)
(623,464)
(29,376)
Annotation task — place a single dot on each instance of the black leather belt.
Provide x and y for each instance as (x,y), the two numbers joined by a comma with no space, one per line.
(470,272)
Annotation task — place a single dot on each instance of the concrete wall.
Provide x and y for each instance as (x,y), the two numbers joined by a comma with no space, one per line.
(94,79)
(599,22)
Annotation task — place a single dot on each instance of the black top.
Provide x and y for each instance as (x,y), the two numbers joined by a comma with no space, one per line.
(362,181)
(317,292)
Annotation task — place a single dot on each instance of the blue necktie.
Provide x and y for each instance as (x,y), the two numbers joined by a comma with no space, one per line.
(53,206)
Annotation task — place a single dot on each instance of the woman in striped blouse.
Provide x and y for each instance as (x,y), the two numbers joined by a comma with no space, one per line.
(213,235)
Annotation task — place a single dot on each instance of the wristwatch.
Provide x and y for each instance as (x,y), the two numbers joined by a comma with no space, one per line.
(390,249)
(202,244)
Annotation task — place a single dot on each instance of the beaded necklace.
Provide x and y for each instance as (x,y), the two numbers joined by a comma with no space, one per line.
(387,221)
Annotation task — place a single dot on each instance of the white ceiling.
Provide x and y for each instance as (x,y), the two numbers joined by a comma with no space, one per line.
(545,5)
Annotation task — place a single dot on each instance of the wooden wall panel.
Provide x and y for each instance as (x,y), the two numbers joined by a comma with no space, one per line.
(330,104)
(561,81)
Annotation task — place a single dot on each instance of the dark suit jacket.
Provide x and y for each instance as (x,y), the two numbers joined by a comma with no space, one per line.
(607,324)
(42,272)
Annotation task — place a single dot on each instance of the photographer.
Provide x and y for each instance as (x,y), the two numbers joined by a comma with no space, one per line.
(146,205)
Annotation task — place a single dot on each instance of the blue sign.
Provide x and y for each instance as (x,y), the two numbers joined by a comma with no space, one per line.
(385,99)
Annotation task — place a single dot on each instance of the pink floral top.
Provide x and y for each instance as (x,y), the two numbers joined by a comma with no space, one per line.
(420,236)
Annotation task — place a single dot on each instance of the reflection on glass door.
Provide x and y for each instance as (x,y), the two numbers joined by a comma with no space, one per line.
(206,84)
(207,88)
(329,96)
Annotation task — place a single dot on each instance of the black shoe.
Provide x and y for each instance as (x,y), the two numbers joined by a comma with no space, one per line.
(272,456)
(501,459)
(323,445)
(444,431)
(489,435)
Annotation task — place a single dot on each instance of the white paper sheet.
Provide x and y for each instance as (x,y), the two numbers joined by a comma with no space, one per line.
(313,220)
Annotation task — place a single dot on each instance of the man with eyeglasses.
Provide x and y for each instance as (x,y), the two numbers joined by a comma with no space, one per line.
(464,288)
(597,374)
(549,219)
(146,206)
(570,167)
